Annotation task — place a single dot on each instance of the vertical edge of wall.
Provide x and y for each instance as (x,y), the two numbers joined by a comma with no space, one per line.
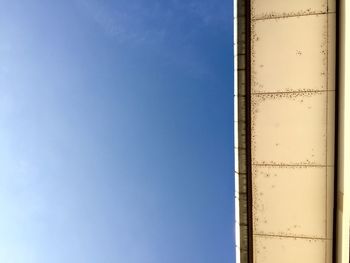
(242,174)
(336,139)
(343,158)
(248,132)
(235,134)
(335,257)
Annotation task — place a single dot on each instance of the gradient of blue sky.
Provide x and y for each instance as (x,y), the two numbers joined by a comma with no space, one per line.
(116,131)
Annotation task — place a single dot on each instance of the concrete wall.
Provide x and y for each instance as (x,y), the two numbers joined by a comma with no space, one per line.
(292,120)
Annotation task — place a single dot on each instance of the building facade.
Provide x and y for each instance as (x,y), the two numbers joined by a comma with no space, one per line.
(291,143)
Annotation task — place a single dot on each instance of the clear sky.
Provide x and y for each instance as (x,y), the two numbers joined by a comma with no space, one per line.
(116,138)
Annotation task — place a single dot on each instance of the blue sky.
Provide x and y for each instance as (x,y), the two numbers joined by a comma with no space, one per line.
(116,131)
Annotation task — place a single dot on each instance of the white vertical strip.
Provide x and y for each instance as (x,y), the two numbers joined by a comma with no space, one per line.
(343,194)
(235,103)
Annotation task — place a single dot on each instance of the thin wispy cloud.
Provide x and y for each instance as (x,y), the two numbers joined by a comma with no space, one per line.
(143,22)
(170,27)
(124,25)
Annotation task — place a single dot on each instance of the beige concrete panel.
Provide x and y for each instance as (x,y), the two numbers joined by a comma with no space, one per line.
(330,201)
(329,250)
(331,51)
(279,8)
(289,201)
(241,82)
(241,29)
(244,256)
(242,135)
(243,208)
(289,54)
(244,235)
(241,6)
(331,5)
(241,108)
(243,183)
(241,47)
(240,160)
(289,128)
(288,250)
(330,127)
(241,62)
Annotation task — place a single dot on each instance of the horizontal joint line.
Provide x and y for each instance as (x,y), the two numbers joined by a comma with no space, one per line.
(287,16)
(286,236)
